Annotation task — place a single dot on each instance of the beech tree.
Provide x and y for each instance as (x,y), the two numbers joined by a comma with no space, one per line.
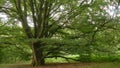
(41,19)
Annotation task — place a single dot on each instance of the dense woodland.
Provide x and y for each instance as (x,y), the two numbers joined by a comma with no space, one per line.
(74,30)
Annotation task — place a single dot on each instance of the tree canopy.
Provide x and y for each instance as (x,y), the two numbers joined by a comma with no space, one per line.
(56,28)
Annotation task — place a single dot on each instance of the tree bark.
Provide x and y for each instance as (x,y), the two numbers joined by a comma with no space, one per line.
(38,58)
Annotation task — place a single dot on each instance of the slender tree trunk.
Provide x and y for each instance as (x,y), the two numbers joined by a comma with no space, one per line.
(38,58)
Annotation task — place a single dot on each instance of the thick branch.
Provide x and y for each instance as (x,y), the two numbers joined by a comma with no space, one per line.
(23,17)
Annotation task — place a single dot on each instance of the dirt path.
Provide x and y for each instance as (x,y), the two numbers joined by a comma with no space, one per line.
(68,65)
(62,65)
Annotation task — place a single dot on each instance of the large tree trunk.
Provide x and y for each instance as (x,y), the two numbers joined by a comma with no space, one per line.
(38,58)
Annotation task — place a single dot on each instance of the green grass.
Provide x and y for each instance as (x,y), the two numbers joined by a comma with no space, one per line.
(55,60)
(61,60)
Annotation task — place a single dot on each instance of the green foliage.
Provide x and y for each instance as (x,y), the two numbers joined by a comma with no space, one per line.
(71,27)
(13,46)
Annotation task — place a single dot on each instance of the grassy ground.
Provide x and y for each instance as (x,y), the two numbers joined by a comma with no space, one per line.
(67,65)
(62,63)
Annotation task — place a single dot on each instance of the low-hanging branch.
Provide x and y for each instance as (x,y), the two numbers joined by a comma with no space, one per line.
(67,58)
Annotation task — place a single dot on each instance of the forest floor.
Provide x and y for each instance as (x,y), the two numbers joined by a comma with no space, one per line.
(66,65)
